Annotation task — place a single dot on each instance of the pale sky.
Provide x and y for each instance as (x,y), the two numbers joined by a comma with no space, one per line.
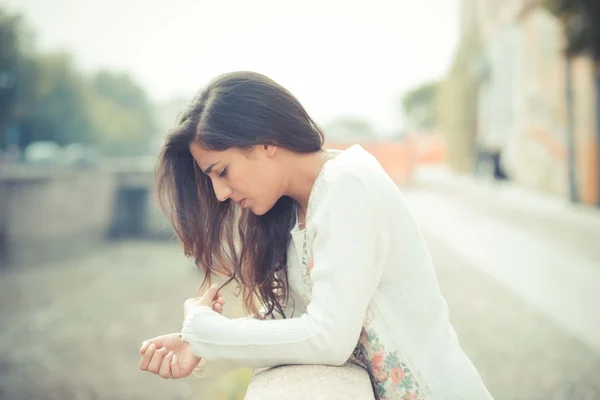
(338,58)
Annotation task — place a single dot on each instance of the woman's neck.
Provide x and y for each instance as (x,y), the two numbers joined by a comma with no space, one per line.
(303,172)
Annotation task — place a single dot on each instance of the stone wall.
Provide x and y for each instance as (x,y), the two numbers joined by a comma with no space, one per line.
(46,214)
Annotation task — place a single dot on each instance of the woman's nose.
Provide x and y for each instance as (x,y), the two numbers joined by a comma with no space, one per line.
(222,192)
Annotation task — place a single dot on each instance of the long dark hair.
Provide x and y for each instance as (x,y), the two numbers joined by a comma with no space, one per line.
(235,110)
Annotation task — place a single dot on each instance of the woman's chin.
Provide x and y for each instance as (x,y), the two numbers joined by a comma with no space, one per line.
(257,210)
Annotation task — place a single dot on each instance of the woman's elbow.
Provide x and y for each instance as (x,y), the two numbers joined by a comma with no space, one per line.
(337,350)
(339,358)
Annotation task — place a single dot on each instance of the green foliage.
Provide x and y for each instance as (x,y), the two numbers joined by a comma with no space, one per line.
(121,113)
(12,62)
(350,128)
(581,20)
(57,106)
(419,107)
(51,100)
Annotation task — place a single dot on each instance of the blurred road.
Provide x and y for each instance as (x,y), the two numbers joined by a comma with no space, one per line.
(520,276)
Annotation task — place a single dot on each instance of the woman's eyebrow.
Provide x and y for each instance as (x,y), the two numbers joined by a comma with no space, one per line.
(210,167)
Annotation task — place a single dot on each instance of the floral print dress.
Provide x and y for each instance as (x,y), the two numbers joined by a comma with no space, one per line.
(391,377)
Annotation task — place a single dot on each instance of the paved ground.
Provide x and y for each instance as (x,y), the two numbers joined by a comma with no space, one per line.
(72,330)
(520,352)
(521,274)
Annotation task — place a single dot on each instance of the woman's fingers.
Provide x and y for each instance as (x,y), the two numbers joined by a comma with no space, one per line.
(146,357)
(175,370)
(218,307)
(219,303)
(157,341)
(157,359)
(209,296)
(165,366)
(144,347)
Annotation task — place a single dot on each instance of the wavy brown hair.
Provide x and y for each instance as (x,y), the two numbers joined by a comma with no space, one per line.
(235,110)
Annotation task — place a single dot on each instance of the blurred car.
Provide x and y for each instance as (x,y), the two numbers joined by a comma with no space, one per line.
(81,155)
(45,152)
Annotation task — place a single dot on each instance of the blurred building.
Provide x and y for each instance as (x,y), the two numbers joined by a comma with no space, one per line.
(522,97)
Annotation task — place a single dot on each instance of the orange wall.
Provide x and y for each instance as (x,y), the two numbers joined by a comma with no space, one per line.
(399,158)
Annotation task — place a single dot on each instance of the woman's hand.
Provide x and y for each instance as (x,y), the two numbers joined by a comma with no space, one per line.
(168,355)
(210,298)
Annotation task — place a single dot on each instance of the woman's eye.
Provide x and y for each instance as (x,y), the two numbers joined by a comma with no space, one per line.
(224,173)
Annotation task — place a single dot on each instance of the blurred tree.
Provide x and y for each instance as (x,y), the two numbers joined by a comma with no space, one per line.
(350,128)
(419,107)
(55,108)
(14,45)
(41,95)
(46,98)
(581,20)
(122,114)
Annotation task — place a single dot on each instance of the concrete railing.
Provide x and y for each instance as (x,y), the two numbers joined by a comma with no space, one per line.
(310,382)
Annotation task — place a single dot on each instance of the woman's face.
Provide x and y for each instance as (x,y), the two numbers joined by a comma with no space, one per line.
(253,181)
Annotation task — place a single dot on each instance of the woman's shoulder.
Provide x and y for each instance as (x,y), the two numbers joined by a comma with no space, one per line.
(350,184)
(353,172)
(353,163)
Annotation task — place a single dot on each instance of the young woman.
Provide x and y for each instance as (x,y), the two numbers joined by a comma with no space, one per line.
(320,239)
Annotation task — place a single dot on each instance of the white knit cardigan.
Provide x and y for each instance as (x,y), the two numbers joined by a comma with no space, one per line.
(363,288)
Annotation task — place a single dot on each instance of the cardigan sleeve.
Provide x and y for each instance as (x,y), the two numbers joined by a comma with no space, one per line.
(208,369)
(346,272)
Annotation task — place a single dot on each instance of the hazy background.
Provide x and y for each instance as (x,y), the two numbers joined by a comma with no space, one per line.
(484,112)
(316,49)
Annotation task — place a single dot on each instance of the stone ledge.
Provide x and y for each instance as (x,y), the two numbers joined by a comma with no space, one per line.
(295,382)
